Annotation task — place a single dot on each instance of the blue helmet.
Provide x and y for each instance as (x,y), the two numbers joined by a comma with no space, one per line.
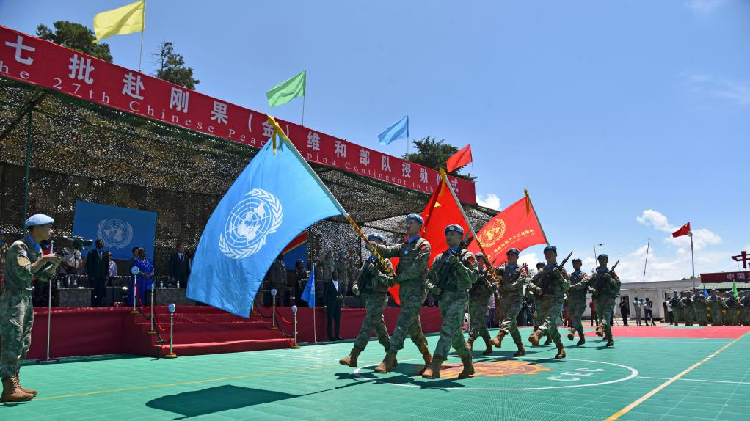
(513,250)
(375,236)
(550,248)
(576,260)
(414,217)
(602,256)
(454,227)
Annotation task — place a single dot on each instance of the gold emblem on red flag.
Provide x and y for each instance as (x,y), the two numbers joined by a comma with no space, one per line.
(492,233)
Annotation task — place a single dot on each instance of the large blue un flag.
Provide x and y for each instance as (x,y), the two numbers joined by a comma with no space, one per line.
(275,198)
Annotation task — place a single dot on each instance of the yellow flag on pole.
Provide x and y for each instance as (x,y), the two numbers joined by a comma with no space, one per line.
(123,20)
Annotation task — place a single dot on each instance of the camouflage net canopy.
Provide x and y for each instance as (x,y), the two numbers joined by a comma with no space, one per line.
(83,151)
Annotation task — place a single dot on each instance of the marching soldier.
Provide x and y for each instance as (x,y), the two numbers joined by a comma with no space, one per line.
(687,308)
(513,280)
(372,283)
(605,287)
(450,278)
(577,300)
(732,307)
(745,308)
(701,311)
(676,303)
(717,308)
(413,255)
(479,298)
(550,285)
(24,262)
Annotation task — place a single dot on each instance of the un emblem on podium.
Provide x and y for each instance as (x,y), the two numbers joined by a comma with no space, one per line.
(249,223)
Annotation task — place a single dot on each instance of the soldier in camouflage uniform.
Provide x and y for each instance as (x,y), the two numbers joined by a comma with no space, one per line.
(579,286)
(745,308)
(414,256)
(732,306)
(701,311)
(24,263)
(605,285)
(676,303)
(550,284)
(687,308)
(479,298)
(325,271)
(512,283)
(372,283)
(450,278)
(717,307)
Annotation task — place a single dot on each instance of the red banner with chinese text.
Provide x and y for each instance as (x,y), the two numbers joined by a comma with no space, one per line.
(725,277)
(515,227)
(42,63)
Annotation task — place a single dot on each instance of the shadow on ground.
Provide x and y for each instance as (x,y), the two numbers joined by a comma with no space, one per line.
(215,399)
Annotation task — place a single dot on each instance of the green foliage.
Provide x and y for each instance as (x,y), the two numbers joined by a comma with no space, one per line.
(433,153)
(75,36)
(172,67)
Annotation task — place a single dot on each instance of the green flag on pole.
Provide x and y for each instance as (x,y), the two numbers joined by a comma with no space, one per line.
(734,289)
(287,90)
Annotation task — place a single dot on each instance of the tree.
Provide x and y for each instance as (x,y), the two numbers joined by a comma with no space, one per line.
(172,67)
(75,36)
(433,153)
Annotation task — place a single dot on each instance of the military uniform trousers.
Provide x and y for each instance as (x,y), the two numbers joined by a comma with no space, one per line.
(509,325)
(375,303)
(412,296)
(16,321)
(551,309)
(478,306)
(576,307)
(606,306)
(452,309)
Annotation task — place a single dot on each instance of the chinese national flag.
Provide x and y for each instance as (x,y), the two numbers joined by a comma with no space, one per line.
(441,210)
(515,227)
(684,230)
(459,159)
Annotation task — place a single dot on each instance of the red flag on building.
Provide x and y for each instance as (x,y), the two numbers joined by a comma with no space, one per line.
(459,159)
(684,230)
(514,227)
(441,211)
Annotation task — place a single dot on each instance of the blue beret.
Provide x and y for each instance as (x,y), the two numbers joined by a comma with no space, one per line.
(375,236)
(577,260)
(479,254)
(454,227)
(602,256)
(514,250)
(414,217)
(39,219)
(550,248)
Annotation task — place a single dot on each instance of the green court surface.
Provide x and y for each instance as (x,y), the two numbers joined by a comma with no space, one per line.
(593,383)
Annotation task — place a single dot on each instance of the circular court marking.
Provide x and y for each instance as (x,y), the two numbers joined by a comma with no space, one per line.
(565,377)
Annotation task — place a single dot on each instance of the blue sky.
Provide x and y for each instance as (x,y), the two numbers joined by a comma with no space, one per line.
(624,119)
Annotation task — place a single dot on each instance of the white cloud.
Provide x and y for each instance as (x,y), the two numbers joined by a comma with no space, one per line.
(701,238)
(489,201)
(737,91)
(703,7)
(656,219)
(530,259)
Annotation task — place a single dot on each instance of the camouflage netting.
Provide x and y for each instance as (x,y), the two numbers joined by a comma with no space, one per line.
(83,151)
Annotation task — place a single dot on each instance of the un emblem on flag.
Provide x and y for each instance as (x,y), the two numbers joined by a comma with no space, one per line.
(115,232)
(249,223)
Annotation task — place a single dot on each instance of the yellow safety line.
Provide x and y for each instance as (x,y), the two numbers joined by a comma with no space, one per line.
(640,400)
(98,392)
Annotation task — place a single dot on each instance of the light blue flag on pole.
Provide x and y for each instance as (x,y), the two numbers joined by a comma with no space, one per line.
(399,130)
(276,197)
(705,291)
(308,294)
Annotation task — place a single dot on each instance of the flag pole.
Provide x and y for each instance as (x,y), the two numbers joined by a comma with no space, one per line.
(277,131)
(302,123)
(692,260)
(648,246)
(528,199)
(143,34)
